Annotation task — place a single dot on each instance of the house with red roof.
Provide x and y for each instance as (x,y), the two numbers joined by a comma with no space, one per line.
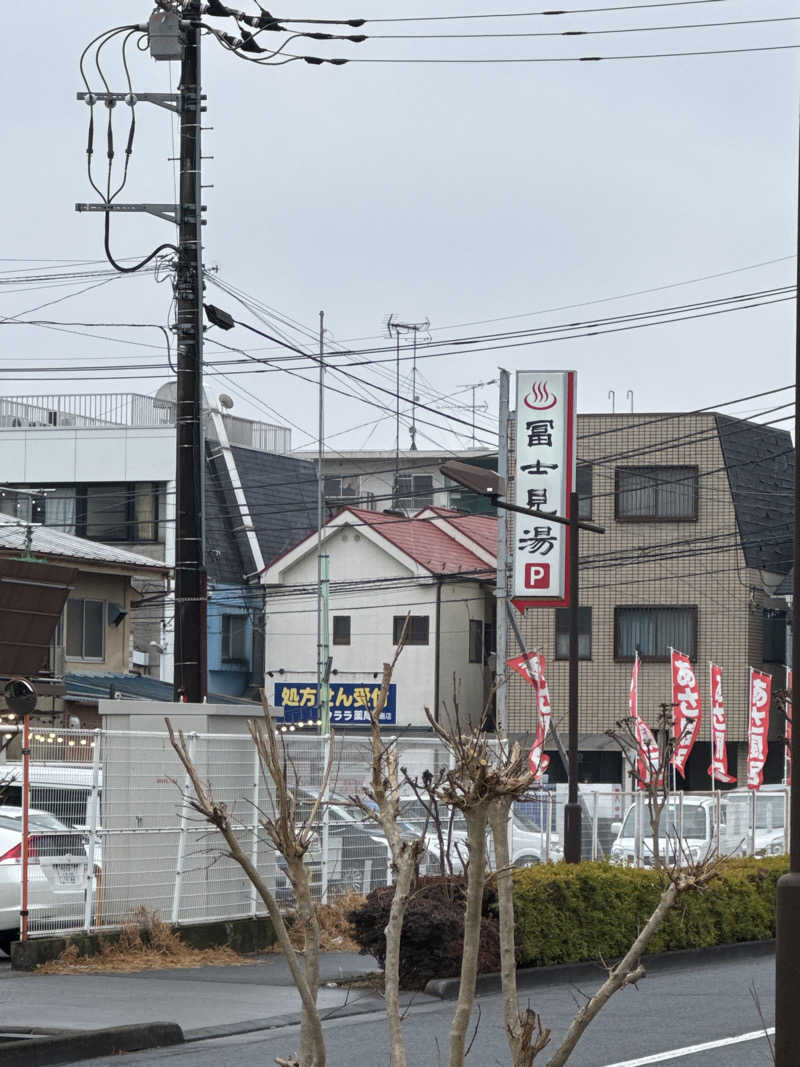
(437,567)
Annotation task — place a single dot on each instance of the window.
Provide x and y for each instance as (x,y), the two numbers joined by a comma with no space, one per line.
(416,633)
(475,641)
(584,633)
(583,485)
(774,636)
(234,634)
(654,630)
(341,629)
(345,488)
(415,491)
(86,629)
(656,494)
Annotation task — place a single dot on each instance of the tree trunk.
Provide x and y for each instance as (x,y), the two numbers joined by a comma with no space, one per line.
(406,867)
(310,1049)
(476,839)
(498,821)
(627,971)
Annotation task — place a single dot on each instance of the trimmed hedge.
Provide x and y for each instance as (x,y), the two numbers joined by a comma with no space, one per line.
(569,914)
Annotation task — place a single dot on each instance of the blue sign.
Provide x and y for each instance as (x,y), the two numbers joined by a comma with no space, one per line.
(351,702)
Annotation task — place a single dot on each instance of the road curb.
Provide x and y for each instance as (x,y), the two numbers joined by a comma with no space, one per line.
(531,977)
(88,1044)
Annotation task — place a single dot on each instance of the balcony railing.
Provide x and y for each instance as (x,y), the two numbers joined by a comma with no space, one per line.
(99,410)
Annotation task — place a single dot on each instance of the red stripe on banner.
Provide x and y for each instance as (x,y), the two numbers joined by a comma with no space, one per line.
(531,667)
(757,744)
(687,709)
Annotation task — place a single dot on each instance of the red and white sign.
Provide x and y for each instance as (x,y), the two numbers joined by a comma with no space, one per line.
(788,764)
(649,756)
(757,746)
(687,711)
(719,750)
(531,668)
(544,477)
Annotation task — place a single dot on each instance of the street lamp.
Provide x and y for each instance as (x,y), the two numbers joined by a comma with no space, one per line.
(488,483)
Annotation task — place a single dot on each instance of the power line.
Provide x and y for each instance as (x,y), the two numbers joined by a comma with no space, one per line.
(575,33)
(531,14)
(580,59)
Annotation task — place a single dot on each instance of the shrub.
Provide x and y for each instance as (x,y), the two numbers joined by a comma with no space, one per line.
(433,930)
(568,913)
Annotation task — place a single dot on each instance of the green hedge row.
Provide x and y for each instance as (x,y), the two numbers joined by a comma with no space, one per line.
(567,913)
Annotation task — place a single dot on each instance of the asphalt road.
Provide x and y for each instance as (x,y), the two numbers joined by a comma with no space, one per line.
(673,1008)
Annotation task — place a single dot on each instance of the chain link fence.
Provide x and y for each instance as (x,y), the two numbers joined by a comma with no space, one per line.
(112,831)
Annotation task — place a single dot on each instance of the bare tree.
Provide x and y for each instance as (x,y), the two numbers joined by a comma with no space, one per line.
(292,840)
(384,792)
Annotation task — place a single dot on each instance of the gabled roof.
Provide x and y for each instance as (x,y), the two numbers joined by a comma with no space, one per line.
(417,542)
(482,529)
(52,543)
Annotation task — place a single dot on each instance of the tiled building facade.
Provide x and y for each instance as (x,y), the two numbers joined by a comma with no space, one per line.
(698,517)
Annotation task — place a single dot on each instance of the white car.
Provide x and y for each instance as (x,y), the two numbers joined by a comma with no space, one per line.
(691,841)
(770,836)
(57,864)
(529,842)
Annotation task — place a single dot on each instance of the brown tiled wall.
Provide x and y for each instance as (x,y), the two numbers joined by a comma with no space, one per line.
(712,574)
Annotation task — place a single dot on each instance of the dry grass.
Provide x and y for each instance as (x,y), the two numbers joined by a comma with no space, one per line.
(144,945)
(336,933)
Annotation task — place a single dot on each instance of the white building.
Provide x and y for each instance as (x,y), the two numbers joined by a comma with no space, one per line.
(408,481)
(438,566)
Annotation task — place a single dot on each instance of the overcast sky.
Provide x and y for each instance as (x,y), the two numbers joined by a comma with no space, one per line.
(451,192)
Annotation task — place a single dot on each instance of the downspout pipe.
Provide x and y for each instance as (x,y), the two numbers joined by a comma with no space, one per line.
(438,649)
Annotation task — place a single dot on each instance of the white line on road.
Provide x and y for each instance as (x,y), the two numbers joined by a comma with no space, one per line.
(690,1050)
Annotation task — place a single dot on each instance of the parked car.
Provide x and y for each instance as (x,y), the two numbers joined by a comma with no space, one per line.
(56,870)
(770,837)
(698,836)
(529,842)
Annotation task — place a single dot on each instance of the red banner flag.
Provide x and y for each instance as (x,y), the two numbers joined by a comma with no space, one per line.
(531,668)
(687,711)
(760,696)
(719,750)
(788,765)
(648,755)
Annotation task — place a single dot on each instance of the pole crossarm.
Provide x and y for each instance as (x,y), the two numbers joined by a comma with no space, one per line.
(168,212)
(170,101)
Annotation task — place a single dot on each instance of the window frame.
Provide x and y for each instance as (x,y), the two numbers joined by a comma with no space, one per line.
(475,642)
(583,609)
(83,658)
(584,499)
(227,648)
(397,628)
(410,499)
(645,658)
(646,471)
(339,640)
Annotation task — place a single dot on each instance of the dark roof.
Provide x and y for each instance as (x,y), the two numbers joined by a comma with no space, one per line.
(281,493)
(107,684)
(760,467)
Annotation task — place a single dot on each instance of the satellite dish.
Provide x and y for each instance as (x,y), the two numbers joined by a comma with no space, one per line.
(20,696)
(225,401)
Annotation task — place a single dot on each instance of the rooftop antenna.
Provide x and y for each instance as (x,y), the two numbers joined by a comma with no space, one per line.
(393,326)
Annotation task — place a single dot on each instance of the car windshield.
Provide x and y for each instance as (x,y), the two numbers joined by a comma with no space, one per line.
(770,810)
(413,811)
(39,820)
(694,822)
(526,823)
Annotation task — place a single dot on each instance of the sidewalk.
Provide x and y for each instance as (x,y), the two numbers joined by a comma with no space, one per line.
(206,1001)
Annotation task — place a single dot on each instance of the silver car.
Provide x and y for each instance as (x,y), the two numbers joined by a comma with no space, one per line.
(56,872)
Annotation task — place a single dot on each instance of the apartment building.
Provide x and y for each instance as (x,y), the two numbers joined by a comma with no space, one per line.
(698,512)
(101,466)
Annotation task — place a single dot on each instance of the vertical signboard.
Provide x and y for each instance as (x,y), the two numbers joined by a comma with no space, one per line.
(544,476)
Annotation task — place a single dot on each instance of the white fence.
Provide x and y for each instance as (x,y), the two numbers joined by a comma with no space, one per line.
(111,832)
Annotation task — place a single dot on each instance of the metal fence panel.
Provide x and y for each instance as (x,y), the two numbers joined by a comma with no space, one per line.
(114,835)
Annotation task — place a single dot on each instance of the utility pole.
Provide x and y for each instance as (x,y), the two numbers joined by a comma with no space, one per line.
(190,576)
(501,582)
(787,944)
(323,560)
(173,34)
